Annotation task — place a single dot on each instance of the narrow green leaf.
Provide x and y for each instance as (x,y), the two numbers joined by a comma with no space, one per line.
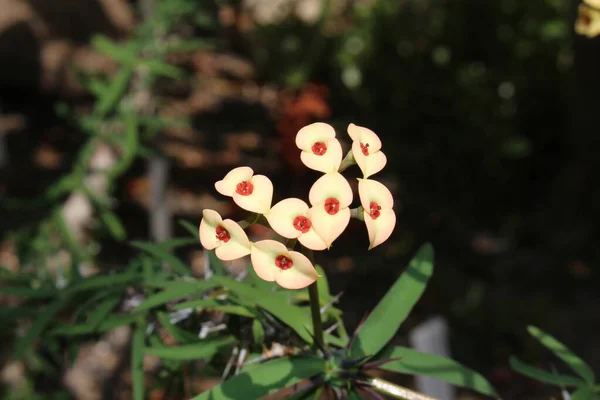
(175,243)
(178,333)
(28,292)
(113,223)
(44,319)
(174,293)
(292,316)
(561,351)
(543,376)
(415,362)
(382,324)
(163,69)
(216,265)
(157,251)
(104,281)
(585,393)
(258,332)
(137,359)
(102,311)
(213,304)
(265,379)
(111,322)
(323,286)
(112,95)
(191,228)
(204,349)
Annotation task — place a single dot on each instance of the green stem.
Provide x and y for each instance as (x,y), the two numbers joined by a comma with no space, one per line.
(395,391)
(347,161)
(315,306)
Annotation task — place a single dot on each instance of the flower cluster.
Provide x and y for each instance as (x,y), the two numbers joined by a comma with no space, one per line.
(316,226)
(588,18)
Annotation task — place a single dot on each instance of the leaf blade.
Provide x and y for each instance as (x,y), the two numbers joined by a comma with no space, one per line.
(543,376)
(380,326)
(193,351)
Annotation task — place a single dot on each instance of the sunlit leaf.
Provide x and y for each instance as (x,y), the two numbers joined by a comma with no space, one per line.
(585,393)
(265,379)
(415,362)
(543,376)
(382,324)
(160,253)
(561,351)
(203,349)
(175,293)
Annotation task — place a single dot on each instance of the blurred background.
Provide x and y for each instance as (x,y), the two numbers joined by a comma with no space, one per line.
(488,112)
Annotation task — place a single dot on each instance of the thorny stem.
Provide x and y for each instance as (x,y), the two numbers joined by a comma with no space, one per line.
(395,391)
(347,161)
(315,307)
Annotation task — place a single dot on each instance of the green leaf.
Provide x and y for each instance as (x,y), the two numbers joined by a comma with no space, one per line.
(191,228)
(216,265)
(543,376)
(213,304)
(415,362)
(111,322)
(382,324)
(174,293)
(178,333)
(102,311)
(204,349)
(258,332)
(114,225)
(112,95)
(265,379)
(44,319)
(175,243)
(585,393)
(28,292)
(97,282)
(163,69)
(323,286)
(158,252)
(561,351)
(137,359)
(292,316)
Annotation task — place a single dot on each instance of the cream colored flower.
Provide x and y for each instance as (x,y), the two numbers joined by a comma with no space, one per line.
(377,202)
(273,262)
(251,192)
(593,3)
(588,19)
(330,196)
(321,151)
(226,236)
(366,149)
(291,219)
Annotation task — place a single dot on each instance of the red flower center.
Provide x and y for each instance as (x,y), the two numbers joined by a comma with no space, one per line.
(374,210)
(244,188)
(284,262)
(319,148)
(365,148)
(222,234)
(332,206)
(302,224)
(585,19)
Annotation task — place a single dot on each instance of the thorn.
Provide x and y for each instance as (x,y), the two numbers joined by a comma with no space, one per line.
(333,327)
(323,350)
(229,363)
(375,364)
(331,303)
(240,360)
(372,393)
(360,324)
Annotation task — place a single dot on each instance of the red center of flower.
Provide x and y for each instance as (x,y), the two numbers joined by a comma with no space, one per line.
(244,188)
(374,210)
(222,234)
(332,206)
(284,262)
(302,223)
(319,148)
(365,148)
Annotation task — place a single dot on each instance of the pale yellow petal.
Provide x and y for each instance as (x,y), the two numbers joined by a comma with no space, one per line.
(371,164)
(238,244)
(381,228)
(593,3)
(328,162)
(228,184)
(312,240)
(281,217)
(208,236)
(263,255)
(260,199)
(332,185)
(588,20)
(310,134)
(360,134)
(329,227)
(300,275)
(373,191)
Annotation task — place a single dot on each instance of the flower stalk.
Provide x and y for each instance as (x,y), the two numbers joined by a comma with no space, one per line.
(315,307)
